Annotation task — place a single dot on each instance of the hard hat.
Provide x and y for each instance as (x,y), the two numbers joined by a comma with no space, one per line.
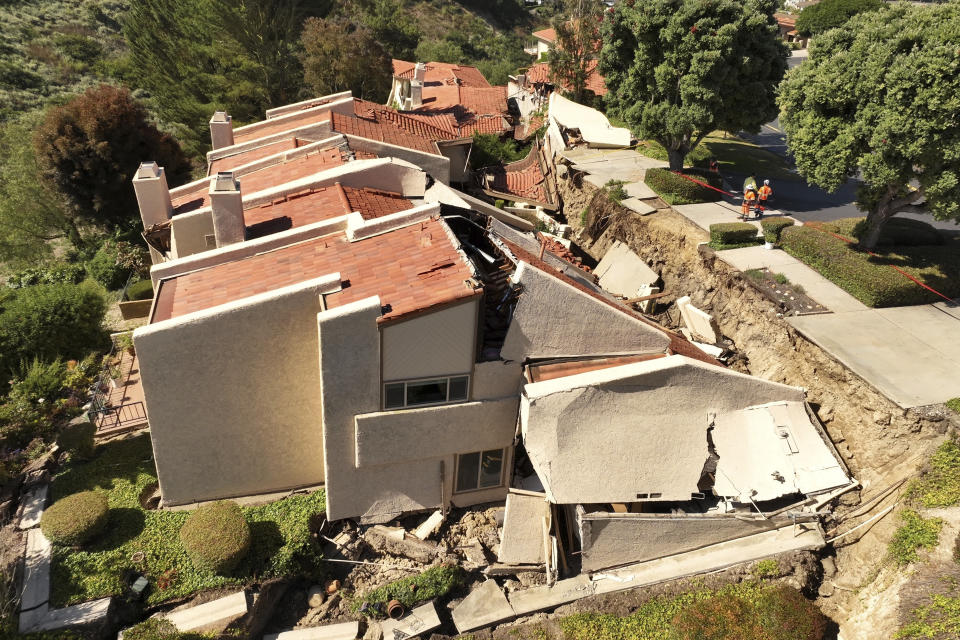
(766,182)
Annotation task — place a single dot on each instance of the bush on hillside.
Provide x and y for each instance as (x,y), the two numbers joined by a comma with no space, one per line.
(140,290)
(77,438)
(773,227)
(105,267)
(66,272)
(75,519)
(50,321)
(868,278)
(724,234)
(678,190)
(216,536)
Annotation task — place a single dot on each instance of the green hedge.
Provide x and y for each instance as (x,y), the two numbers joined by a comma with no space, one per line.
(678,190)
(75,519)
(216,536)
(773,227)
(897,232)
(727,233)
(140,290)
(871,279)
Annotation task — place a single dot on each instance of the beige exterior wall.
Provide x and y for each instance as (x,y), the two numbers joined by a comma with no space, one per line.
(436,344)
(233,395)
(644,424)
(496,379)
(188,233)
(407,459)
(555,319)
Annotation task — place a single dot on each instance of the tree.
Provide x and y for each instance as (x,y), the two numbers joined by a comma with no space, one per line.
(830,14)
(679,69)
(576,46)
(340,55)
(89,149)
(881,97)
(391,24)
(32,214)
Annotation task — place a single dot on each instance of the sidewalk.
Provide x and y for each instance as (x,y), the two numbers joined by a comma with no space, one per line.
(909,354)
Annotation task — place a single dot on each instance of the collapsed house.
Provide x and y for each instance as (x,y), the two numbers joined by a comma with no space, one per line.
(329,312)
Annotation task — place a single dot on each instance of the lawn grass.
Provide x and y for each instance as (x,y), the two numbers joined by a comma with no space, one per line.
(281,540)
(871,278)
(914,534)
(733,154)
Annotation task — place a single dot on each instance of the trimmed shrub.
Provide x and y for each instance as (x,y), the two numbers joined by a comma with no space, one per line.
(727,233)
(141,290)
(870,279)
(216,536)
(77,438)
(897,232)
(773,227)
(76,519)
(678,190)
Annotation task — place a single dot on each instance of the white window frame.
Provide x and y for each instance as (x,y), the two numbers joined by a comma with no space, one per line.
(414,381)
(503,465)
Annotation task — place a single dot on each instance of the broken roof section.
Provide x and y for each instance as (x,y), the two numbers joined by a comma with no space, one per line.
(540,74)
(411,268)
(522,181)
(455,98)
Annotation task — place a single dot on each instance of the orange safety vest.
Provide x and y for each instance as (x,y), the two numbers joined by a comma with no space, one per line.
(765,192)
(748,197)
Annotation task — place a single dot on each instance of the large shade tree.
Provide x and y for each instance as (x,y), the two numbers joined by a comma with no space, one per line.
(830,14)
(881,97)
(339,54)
(89,149)
(677,70)
(577,46)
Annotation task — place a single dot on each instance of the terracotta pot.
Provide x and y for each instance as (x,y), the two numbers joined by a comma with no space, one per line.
(395,609)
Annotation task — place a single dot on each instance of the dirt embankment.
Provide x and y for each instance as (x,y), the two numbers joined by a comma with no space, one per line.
(881,442)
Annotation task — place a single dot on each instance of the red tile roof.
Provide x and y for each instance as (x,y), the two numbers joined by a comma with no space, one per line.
(279,125)
(785,21)
(373,203)
(230,162)
(522,179)
(412,268)
(553,370)
(540,74)
(550,35)
(271,176)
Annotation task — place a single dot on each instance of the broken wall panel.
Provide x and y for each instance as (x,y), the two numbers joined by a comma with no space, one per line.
(522,538)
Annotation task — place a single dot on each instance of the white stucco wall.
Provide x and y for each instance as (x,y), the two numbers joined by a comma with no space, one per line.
(594,127)
(643,424)
(434,344)
(496,379)
(233,395)
(188,231)
(457,154)
(555,319)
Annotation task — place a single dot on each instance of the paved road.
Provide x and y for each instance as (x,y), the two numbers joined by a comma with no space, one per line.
(807,202)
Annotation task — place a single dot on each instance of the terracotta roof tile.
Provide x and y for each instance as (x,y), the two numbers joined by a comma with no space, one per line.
(238,159)
(383,130)
(540,74)
(522,178)
(552,370)
(373,203)
(411,269)
(279,125)
(550,35)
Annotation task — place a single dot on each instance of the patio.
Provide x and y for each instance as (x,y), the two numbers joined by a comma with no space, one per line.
(117,405)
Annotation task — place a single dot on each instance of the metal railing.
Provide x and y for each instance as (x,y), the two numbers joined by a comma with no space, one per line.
(113,417)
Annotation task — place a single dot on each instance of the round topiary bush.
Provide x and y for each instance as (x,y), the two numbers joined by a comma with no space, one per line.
(75,519)
(216,536)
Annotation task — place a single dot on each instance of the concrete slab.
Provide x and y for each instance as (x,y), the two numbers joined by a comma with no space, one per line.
(421,620)
(429,526)
(638,206)
(344,631)
(756,258)
(30,620)
(484,606)
(712,558)
(623,272)
(540,598)
(910,354)
(639,190)
(950,308)
(707,213)
(86,614)
(33,504)
(699,323)
(522,539)
(210,615)
(36,578)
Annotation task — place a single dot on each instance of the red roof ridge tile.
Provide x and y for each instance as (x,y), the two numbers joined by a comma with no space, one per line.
(343,197)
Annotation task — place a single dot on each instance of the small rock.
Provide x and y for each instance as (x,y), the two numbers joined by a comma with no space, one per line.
(829,566)
(316,596)
(374,631)
(332,587)
(826,590)
(881,418)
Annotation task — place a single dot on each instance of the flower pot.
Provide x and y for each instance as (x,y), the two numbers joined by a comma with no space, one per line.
(769,245)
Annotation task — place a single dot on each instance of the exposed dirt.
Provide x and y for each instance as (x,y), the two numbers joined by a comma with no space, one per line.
(881,442)
(790,298)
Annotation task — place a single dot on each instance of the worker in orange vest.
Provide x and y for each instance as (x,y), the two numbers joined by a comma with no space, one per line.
(749,198)
(763,194)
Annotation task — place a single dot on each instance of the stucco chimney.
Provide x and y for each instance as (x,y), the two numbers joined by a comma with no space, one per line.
(416,94)
(227,206)
(153,195)
(221,130)
(419,72)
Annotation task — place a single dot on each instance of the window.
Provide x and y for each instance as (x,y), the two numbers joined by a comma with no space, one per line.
(480,470)
(415,393)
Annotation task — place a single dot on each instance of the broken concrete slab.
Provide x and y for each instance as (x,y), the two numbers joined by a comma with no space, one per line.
(473,554)
(343,631)
(33,505)
(87,615)
(36,578)
(521,541)
(640,191)
(539,598)
(623,272)
(485,605)
(700,323)
(386,540)
(638,206)
(429,526)
(33,618)
(210,616)
(421,620)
